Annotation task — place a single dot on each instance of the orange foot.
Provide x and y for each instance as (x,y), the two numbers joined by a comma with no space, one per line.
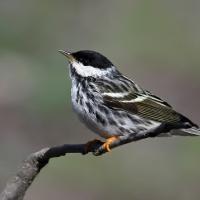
(89,145)
(108,142)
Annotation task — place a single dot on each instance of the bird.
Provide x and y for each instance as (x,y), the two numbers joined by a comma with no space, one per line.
(112,105)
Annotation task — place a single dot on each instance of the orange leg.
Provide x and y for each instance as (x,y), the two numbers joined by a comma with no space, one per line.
(108,142)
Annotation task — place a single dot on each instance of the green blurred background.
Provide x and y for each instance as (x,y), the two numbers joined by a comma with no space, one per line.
(156,42)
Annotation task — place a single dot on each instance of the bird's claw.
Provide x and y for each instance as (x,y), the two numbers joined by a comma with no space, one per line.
(108,142)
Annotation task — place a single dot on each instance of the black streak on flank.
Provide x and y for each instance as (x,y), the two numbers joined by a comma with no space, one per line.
(117,114)
(83,85)
(90,109)
(112,122)
(121,122)
(81,100)
(100,119)
(78,95)
(122,129)
(91,86)
(134,120)
(132,130)
(90,96)
(103,109)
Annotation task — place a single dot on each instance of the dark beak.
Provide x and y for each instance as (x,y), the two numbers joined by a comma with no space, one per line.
(68,55)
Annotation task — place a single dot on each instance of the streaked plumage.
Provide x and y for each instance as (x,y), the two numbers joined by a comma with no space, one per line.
(112,105)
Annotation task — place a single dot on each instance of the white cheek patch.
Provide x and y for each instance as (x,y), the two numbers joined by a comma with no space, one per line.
(86,71)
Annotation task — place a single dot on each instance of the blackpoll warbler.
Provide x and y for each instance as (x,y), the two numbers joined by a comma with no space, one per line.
(112,105)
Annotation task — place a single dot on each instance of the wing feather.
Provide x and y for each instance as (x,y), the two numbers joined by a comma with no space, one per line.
(144,106)
(137,101)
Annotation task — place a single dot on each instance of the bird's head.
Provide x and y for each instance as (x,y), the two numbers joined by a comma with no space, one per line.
(90,63)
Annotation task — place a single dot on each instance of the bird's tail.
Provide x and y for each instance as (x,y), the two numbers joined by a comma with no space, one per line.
(193,131)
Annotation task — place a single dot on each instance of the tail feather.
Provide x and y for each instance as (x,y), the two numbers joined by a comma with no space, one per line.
(194,131)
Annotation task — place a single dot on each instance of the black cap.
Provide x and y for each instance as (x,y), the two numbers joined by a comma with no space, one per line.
(92,58)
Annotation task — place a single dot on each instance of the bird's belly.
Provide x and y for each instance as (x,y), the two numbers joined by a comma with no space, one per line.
(111,124)
(89,120)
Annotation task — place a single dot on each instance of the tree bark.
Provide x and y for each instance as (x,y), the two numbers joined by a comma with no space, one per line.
(17,186)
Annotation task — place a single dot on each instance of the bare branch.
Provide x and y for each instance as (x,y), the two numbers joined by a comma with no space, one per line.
(18,185)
